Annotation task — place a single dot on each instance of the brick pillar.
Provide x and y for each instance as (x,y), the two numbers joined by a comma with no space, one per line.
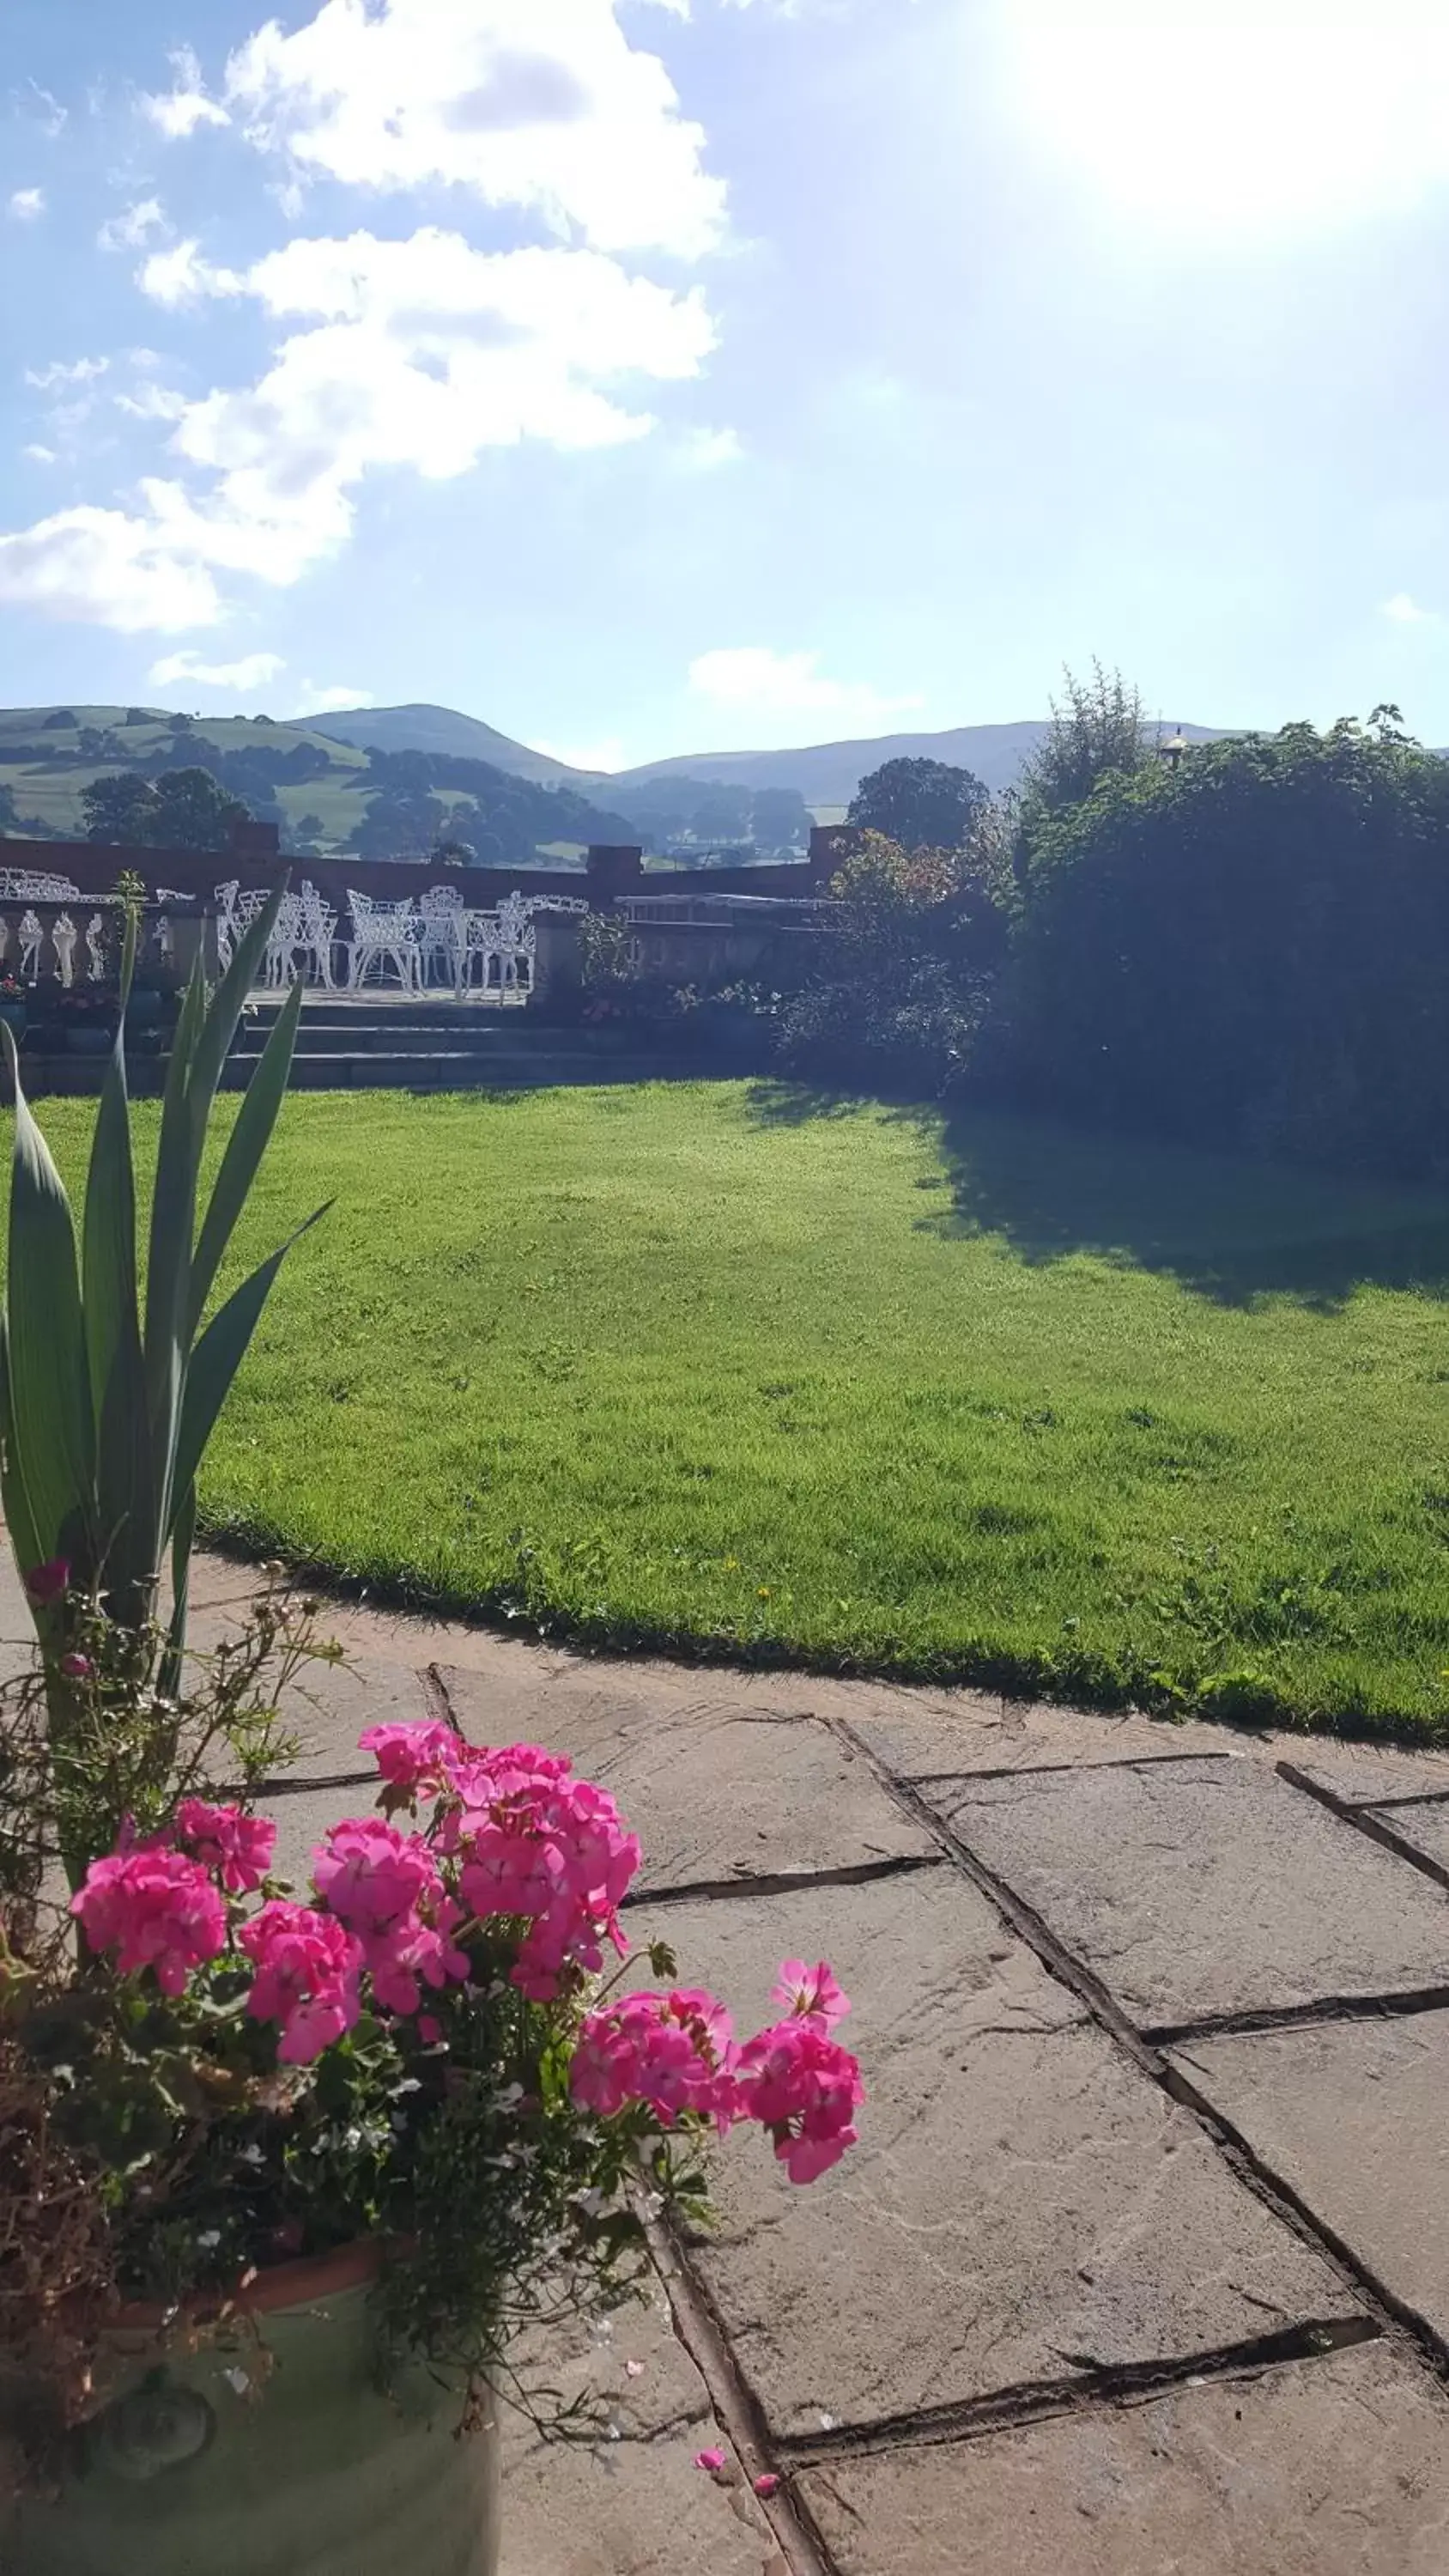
(254,842)
(613,868)
(830,845)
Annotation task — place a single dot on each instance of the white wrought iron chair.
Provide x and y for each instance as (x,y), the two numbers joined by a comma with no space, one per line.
(32,885)
(383,934)
(63,937)
(482,948)
(317,928)
(442,933)
(517,949)
(227,925)
(32,931)
(284,939)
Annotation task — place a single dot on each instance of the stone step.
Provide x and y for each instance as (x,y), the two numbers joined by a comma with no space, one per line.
(470,1071)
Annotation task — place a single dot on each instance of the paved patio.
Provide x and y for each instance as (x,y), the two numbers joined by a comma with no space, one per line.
(1141,2267)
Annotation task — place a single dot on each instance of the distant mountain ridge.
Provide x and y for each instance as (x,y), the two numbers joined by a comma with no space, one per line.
(443,730)
(826,774)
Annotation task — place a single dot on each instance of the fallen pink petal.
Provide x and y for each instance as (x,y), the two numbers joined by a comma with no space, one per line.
(711,2461)
(766,2485)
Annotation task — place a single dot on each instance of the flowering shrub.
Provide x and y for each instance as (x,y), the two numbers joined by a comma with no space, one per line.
(436,2044)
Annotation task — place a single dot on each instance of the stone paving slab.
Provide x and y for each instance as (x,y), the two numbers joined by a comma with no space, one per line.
(1338,2467)
(634,2505)
(1425,1824)
(1198,1889)
(1362,1775)
(928,1735)
(1353,2115)
(713,1793)
(1023,2203)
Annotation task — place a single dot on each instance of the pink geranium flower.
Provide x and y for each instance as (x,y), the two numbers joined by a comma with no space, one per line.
(308,1969)
(547,1850)
(810,1991)
(413,1757)
(236,1846)
(675,2052)
(156,1909)
(49,1582)
(385,1886)
(802,2086)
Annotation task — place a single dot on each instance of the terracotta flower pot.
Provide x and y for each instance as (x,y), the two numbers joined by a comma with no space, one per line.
(268,2450)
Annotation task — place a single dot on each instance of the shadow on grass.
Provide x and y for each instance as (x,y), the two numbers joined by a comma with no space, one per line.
(1230,1230)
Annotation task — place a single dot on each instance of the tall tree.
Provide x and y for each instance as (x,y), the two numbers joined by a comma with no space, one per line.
(920,804)
(780,819)
(1098,729)
(119,807)
(184,810)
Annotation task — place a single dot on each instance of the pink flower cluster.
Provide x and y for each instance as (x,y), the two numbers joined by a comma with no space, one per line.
(156,1909)
(385,1886)
(307,1973)
(516,1839)
(238,1847)
(675,2052)
(535,1845)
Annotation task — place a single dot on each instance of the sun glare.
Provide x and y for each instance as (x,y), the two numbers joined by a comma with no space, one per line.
(1240,117)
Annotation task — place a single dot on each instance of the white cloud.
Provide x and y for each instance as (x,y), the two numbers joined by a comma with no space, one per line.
(241,679)
(182,276)
(315,701)
(422,353)
(1401,610)
(40,455)
(703,451)
(27,205)
(417,353)
(41,106)
(755,680)
(80,371)
(107,568)
(180,110)
(133,225)
(153,402)
(538,104)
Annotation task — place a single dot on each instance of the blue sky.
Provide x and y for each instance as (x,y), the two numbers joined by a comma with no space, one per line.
(647,378)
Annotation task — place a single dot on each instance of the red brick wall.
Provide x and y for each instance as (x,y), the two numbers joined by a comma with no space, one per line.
(95,866)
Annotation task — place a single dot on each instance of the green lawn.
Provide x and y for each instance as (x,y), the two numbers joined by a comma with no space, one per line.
(709,1363)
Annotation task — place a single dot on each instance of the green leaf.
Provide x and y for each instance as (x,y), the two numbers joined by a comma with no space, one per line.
(245,1147)
(182,1541)
(50,1413)
(228,1003)
(19,1518)
(124,1484)
(168,1279)
(219,1354)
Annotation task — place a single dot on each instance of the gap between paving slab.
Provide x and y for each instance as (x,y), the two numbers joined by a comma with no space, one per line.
(1331,2468)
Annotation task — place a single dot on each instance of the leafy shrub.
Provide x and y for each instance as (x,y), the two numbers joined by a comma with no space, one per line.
(1249,952)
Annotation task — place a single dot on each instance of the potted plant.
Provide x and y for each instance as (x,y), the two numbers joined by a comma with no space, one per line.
(281,2171)
(86,1016)
(13,1003)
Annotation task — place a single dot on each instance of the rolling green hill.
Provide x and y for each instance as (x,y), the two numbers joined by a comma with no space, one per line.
(425,728)
(316,788)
